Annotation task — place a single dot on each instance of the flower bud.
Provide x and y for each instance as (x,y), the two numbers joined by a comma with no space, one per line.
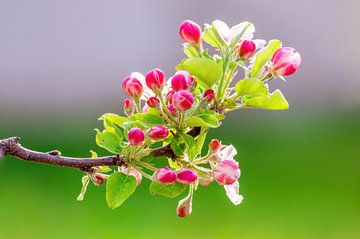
(132,87)
(184,207)
(168,97)
(158,132)
(247,48)
(98,178)
(215,145)
(182,100)
(192,83)
(153,102)
(285,61)
(187,176)
(209,95)
(226,172)
(136,136)
(165,176)
(179,82)
(155,80)
(190,32)
(172,109)
(129,106)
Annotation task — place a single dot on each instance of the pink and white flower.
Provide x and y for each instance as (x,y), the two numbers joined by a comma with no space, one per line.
(182,100)
(190,32)
(136,136)
(165,176)
(187,176)
(285,61)
(158,132)
(227,34)
(184,207)
(226,172)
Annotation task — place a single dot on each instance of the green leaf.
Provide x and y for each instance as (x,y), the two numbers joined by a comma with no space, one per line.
(176,146)
(212,37)
(206,71)
(251,86)
(108,140)
(85,182)
(203,120)
(116,119)
(171,191)
(111,127)
(190,145)
(275,101)
(190,50)
(263,56)
(200,140)
(148,119)
(119,187)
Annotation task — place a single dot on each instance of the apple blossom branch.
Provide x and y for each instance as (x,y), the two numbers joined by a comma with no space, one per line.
(12,147)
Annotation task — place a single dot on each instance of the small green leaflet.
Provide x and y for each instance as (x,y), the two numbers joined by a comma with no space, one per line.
(190,145)
(206,71)
(108,140)
(203,120)
(85,182)
(251,86)
(147,119)
(263,56)
(114,118)
(171,191)
(201,139)
(275,101)
(119,187)
(190,50)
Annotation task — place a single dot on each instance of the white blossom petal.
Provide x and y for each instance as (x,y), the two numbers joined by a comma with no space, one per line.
(249,32)
(223,29)
(232,192)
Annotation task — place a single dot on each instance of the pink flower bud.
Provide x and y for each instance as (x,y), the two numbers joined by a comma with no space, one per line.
(165,176)
(247,49)
(155,80)
(182,100)
(285,61)
(226,172)
(209,95)
(190,32)
(179,82)
(129,106)
(215,145)
(172,109)
(98,178)
(169,95)
(136,136)
(191,83)
(132,87)
(187,176)
(184,207)
(153,102)
(158,132)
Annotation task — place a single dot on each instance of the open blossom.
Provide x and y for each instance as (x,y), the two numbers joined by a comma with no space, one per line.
(227,172)
(190,32)
(158,132)
(136,136)
(187,176)
(182,100)
(132,172)
(285,61)
(155,80)
(227,34)
(184,207)
(165,176)
(132,86)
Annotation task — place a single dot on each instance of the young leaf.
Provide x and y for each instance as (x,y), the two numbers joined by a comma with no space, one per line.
(171,191)
(85,182)
(275,101)
(201,139)
(206,71)
(177,146)
(251,86)
(190,50)
(190,145)
(116,119)
(111,127)
(203,120)
(119,187)
(108,140)
(148,119)
(263,56)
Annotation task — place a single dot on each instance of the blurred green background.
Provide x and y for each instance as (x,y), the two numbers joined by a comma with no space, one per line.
(300,179)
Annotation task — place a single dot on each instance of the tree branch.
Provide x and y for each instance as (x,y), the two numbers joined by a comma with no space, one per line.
(12,147)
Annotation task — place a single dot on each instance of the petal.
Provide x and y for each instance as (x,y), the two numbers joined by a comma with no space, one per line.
(232,192)
(147,91)
(260,43)
(223,30)
(249,32)
(228,152)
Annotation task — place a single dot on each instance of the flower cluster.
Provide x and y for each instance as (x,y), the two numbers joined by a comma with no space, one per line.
(178,111)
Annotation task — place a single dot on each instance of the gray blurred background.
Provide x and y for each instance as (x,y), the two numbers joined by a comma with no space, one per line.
(71,56)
